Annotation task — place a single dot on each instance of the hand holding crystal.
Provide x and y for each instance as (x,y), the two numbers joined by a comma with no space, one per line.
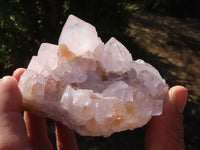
(20,130)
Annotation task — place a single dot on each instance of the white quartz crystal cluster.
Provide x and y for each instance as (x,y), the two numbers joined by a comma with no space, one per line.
(93,88)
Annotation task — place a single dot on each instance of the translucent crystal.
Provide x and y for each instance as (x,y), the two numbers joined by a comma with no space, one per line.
(120,90)
(91,87)
(113,56)
(79,36)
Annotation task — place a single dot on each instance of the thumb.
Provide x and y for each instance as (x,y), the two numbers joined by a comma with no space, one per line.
(166,131)
(12,127)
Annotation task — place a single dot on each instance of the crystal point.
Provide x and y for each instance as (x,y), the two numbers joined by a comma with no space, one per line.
(79,36)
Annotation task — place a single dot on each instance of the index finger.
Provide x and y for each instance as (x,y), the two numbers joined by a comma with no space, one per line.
(17,73)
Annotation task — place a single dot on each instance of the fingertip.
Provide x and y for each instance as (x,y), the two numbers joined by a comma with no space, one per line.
(9,79)
(178,95)
(10,95)
(175,90)
(18,72)
(166,130)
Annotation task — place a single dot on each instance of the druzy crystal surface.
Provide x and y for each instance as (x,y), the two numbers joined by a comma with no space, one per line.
(91,87)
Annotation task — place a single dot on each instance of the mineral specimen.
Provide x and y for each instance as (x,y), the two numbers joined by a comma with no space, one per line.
(91,87)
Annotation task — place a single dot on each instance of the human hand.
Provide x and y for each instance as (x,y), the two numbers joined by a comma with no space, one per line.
(18,130)
(165,132)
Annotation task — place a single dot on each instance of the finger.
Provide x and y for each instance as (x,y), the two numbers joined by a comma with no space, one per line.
(166,131)
(65,138)
(37,132)
(36,126)
(18,72)
(12,127)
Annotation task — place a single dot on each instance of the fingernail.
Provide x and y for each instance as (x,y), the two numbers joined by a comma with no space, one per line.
(181,101)
(5,79)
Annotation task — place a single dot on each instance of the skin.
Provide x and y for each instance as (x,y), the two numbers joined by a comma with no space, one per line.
(166,131)
(21,130)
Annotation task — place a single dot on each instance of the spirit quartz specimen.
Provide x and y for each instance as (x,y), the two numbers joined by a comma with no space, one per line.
(91,87)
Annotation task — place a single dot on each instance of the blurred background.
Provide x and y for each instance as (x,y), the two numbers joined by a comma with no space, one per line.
(165,33)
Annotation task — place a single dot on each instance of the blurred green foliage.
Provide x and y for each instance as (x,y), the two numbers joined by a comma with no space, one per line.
(22,27)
